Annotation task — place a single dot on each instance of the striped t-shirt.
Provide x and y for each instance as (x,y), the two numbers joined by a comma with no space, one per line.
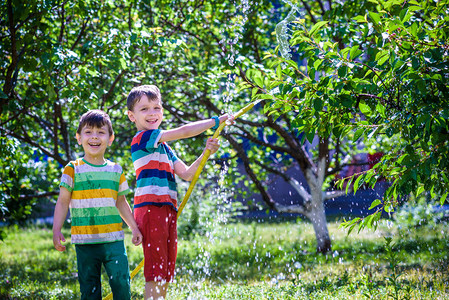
(94,188)
(154,165)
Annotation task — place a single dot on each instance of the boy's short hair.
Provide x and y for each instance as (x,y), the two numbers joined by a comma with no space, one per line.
(95,118)
(151,91)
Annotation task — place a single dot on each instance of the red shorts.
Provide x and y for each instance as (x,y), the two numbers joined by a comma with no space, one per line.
(160,241)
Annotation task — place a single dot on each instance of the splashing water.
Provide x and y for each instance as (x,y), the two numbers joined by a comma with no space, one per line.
(282,35)
(237,30)
(229,46)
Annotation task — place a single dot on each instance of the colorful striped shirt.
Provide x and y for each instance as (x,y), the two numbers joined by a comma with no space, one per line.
(94,188)
(154,164)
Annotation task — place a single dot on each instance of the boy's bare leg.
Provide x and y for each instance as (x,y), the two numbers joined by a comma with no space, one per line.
(155,290)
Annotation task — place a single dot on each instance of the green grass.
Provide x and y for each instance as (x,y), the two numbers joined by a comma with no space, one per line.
(252,261)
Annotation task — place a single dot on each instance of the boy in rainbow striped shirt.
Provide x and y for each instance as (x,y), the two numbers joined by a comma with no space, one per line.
(155,198)
(94,189)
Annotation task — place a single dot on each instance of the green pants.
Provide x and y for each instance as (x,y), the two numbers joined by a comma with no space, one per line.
(113,256)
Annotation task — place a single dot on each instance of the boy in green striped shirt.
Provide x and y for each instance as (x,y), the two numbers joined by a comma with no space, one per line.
(94,189)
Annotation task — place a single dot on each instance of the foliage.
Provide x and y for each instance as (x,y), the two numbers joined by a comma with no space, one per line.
(280,264)
(375,72)
(23,175)
(61,58)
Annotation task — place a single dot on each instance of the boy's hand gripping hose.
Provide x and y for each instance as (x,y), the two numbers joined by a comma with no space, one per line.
(195,178)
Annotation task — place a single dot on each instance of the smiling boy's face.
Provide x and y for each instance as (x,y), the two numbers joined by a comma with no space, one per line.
(147,114)
(94,141)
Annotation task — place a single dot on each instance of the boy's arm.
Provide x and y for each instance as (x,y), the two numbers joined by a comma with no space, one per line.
(127,216)
(187,172)
(61,209)
(191,129)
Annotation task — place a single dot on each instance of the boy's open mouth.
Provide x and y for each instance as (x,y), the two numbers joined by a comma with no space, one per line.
(94,144)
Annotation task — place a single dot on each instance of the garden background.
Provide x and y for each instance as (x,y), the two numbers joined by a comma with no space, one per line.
(333,81)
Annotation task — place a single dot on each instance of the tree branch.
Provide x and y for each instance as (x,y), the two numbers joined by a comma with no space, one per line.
(333,194)
(241,153)
(43,195)
(78,39)
(291,209)
(309,11)
(320,3)
(27,139)
(106,96)
(62,15)
(299,153)
(323,159)
(257,141)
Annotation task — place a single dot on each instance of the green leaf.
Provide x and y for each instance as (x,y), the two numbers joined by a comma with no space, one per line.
(358,134)
(419,190)
(254,92)
(359,19)
(264,96)
(342,71)
(380,109)
(317,26)
(258,80)
(389,208)
(348,185)
(381,54)
(92,72)
(414,29)
(311,73)
(279,71)
(122,63)
(357,182)
(375,203)
(317,104)
(355,51)
(310,136)
(364,108)
(375,17)
(383,59)
(443,198)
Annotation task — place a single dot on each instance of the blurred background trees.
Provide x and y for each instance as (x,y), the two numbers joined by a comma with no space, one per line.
(360,73)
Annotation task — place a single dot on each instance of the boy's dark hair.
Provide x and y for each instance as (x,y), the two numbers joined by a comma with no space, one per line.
(95,118)
(151,91)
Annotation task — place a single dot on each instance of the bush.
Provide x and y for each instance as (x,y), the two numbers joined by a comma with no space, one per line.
(419,213)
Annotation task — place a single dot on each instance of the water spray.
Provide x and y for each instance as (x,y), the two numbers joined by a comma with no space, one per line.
(282,35)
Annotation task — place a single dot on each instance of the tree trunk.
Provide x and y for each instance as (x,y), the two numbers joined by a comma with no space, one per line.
(313,209)
(317,216)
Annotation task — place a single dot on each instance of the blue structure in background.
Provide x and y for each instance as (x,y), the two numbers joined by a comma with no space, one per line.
(283,193)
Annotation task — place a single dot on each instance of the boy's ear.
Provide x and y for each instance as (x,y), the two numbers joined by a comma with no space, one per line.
(78,138)
(131,116)
(111,139)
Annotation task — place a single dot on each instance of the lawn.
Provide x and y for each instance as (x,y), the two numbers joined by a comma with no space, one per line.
(253,261)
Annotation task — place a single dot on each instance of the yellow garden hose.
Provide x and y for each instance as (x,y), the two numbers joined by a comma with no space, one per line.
(195,178)
(206,157)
